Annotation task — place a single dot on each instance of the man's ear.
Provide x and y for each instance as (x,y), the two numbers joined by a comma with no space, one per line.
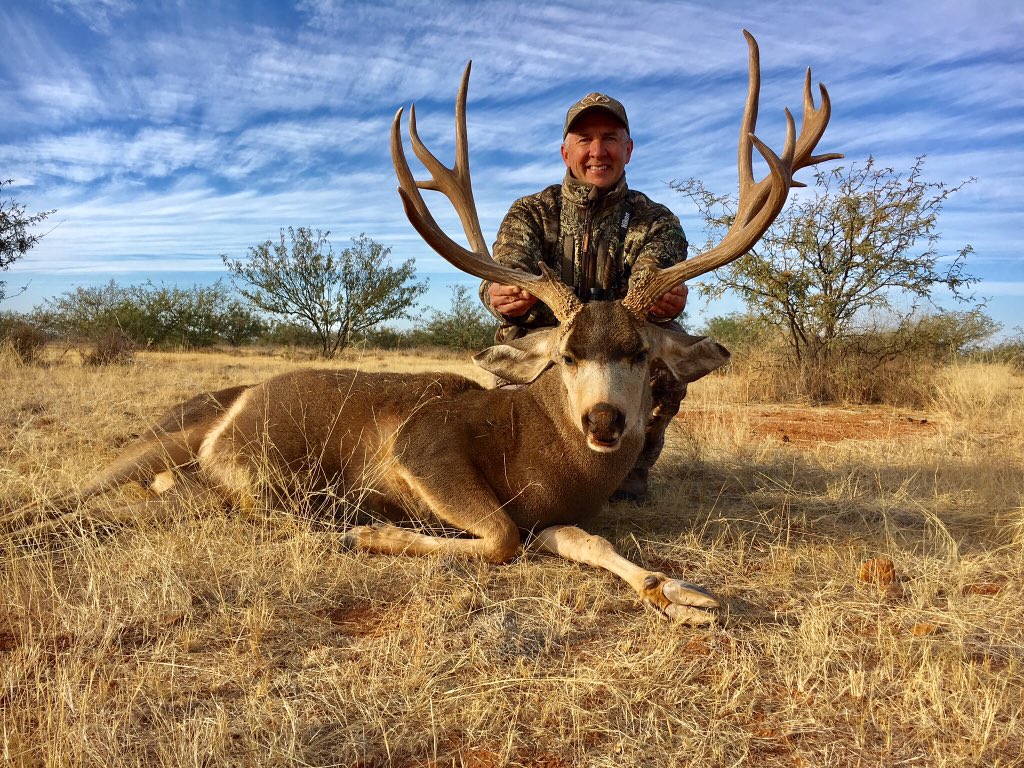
(687,357)
(519,361)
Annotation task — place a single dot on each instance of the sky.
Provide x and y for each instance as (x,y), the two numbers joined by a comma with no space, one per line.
(168,133)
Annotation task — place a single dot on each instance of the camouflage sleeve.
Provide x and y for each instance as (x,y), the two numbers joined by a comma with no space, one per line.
(664,241)
(520,244)
(663,244)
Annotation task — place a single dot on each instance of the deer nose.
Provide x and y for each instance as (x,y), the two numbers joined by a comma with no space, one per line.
(604,424)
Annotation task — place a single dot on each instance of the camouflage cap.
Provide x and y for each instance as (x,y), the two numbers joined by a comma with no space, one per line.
(595,101)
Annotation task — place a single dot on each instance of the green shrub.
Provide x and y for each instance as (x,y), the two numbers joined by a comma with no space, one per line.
(25,339)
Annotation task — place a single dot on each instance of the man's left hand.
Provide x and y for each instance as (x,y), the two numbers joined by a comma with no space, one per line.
(671,303)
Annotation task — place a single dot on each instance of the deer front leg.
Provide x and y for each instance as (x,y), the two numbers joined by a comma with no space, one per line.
(470,505)
(670,597)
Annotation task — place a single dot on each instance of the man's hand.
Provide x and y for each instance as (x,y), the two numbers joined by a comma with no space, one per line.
(671,303)
(510,300)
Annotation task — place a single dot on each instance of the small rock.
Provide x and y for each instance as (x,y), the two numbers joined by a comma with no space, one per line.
(879,571)
(923,629)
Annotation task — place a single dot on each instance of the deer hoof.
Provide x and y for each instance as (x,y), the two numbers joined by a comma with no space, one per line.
(682,593)
(679,600)
(351,538)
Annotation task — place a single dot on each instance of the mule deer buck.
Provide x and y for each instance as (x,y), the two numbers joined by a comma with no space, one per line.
(491,463)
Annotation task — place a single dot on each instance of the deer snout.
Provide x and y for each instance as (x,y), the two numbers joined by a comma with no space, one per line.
(604,424)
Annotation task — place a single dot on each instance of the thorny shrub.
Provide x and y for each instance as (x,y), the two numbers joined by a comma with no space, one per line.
(24,339)
(111,348)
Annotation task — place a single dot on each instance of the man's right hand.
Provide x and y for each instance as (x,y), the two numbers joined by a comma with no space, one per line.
(510,300)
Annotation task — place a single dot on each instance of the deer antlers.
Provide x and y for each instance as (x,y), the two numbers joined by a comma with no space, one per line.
(759,202)
(455,184)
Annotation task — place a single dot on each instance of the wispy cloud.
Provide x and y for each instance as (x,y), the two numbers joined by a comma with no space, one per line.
(167,134)
(98,15)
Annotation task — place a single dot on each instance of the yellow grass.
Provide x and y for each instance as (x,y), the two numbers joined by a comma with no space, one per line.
(203,639)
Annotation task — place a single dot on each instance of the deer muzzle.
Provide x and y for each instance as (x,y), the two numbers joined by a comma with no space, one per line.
(604,425)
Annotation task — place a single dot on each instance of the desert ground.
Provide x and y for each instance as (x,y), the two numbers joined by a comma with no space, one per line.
(869,561)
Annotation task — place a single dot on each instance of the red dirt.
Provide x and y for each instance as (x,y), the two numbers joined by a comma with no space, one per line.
(801,424)
(363,619)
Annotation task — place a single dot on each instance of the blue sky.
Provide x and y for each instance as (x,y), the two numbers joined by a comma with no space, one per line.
(168,133)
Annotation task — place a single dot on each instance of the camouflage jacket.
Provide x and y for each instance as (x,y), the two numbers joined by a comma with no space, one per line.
(577,233)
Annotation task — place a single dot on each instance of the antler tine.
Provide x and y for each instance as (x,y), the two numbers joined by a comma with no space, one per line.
(759,203)
(748,125)
(648,283)
(813,122)
(455,184)
(416,210)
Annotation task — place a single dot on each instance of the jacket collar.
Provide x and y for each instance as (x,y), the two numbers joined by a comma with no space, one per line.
(583,194)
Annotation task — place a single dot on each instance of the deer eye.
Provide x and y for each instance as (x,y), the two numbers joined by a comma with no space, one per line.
(640,359)
(569,360)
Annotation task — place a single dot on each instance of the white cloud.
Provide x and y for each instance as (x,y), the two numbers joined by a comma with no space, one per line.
(98,15)
(206,130)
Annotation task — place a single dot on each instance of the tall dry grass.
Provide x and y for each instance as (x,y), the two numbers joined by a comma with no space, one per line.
(767,372)
(200,638)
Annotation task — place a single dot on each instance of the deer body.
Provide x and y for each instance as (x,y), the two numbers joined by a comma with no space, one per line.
(369,434)
(520,459)
(532,459)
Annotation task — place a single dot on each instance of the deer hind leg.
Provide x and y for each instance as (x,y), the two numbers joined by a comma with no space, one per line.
(237,468)
(233,477)
(124,515)
(144,461)
(189,494)
(473,508)
(676,599)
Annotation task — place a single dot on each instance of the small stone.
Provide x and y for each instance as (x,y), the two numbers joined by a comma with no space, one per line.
(879,571)
(923,629)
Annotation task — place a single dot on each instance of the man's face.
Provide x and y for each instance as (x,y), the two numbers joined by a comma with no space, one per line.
(597,148)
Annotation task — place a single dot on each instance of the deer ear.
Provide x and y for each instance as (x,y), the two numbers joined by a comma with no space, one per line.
(687,357)
(519,361)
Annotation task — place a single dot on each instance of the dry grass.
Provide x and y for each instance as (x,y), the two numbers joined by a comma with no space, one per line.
(202,639)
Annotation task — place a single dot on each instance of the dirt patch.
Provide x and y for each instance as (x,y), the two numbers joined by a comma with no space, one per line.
(801,424)
(363,619)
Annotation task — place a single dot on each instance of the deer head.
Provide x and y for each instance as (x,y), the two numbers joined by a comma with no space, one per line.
(604,348)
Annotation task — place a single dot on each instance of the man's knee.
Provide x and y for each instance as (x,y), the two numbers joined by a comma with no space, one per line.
(667,392)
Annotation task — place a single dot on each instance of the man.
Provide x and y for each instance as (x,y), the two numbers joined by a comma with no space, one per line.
(592,230)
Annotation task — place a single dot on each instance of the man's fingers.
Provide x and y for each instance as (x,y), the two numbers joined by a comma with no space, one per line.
(511,300)
(672,302)
(510,292)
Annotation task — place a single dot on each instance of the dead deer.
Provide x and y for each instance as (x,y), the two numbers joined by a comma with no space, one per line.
(491,463)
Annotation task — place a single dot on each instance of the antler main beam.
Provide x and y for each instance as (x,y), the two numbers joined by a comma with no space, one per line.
(759,203)
(455,184)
